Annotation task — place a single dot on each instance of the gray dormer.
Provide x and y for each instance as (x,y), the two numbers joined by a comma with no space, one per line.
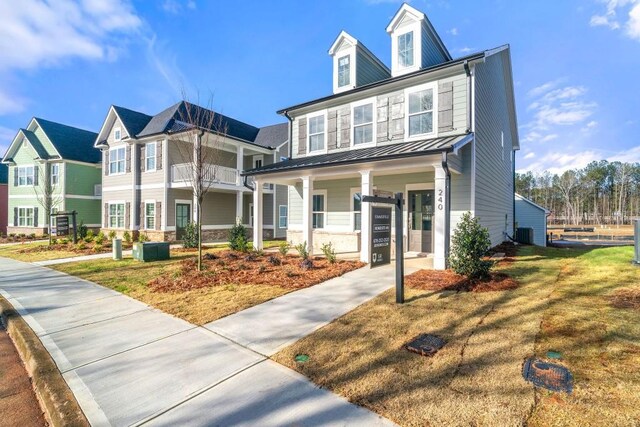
(354,65)
(415,44)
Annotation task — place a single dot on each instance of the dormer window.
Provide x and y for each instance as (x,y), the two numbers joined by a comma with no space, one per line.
(117,134)
(344,71)
(405,49)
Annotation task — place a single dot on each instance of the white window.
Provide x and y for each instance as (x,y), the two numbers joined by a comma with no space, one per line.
(258,161)
(251,214)
(116,215)
(117,134)
(420,112)
(116,161)
(316,133)
(344,71)
(283,213)
(150,215)
(150,156)
(55,174)
(405,49)
(25,217)
(363,124)
(318,210)
(26,175)
(356,209)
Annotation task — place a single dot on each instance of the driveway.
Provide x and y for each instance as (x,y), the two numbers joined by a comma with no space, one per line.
(129,364)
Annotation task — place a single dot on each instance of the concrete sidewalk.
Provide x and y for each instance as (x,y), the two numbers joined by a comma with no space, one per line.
(129,364)
(78,258)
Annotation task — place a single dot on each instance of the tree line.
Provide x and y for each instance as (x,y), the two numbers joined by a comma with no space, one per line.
(602,193)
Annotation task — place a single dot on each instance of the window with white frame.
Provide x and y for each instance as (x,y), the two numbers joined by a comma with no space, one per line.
(116,215)
(117,134)
(251,214)
(55,174)
(405,49)
(356,209)
(318,210)
(344,71)
(26,175)
(117,160)
(363,124)
(257,161)
(283,216)
(150,215)
(316,133)
(421,112)
(150,156)
(25,217)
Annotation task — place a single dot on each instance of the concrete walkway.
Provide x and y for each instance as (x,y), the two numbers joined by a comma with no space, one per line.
(129,364)
(78,258)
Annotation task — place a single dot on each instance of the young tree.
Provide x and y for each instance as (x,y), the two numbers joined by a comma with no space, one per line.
(469,244)
(45,190)
(199,137)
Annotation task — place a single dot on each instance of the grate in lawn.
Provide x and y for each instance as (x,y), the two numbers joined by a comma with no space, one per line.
(426,344)
(547,375)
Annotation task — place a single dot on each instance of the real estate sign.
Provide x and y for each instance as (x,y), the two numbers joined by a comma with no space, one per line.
(380,235)
(62,225)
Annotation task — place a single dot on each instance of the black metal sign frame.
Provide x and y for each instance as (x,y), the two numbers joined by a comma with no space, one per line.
(398,202)
(65,215)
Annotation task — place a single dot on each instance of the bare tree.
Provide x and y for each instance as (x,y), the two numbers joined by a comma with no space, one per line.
(45,190)
(200,133)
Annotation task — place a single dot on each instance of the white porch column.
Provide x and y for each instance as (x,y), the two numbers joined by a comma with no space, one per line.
(239,206)
(257,215)
(439,261)
(194,205)
(307,212)
(366,188)
(239,164)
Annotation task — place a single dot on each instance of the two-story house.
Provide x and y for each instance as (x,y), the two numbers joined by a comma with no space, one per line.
(148,173)
(52,167)
(438,129)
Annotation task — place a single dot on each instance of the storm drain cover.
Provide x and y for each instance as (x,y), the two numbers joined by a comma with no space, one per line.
(426,344)
(553,354)
(301,358)
(547,375)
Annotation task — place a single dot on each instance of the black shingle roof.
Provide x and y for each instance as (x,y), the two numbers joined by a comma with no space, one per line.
(273,136)
(133,121)
(385,152)
(35,143)
(72,143)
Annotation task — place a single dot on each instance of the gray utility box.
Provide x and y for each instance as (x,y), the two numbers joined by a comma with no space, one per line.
(636,240)
(524,235)
(151,251)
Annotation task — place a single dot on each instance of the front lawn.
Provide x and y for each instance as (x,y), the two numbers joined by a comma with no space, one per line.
(38,251)
(230,281)
(564,300)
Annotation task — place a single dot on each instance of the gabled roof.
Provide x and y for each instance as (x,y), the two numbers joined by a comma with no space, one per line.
(273,136)
(344,36)
(535,205)
(72,143)
(32,139)
(133,121)
(384,152)
(4,174)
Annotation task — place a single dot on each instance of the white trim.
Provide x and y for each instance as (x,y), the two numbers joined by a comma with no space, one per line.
(285,216)
(472,125)
(124,214)
(352,212)
(325,132)
(33,217)
(144,215)
(374,124)
(79,196)
(434,111)
(324,210)
(23,196)
(256,157)
(117,129)
(155,156)
(166,179)
(124,160)
(26,177)
(136,187)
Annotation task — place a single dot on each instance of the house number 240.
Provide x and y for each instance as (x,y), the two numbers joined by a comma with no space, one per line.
(440,204)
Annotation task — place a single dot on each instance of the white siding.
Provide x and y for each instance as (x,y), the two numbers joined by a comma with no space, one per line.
(494,170)
(531,216)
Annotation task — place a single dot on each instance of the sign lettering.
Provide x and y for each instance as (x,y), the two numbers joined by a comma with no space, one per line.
(380,236)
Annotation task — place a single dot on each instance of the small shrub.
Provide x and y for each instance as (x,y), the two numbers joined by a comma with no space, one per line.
(190,239)
(100,238)
(64,241)
(274,260)
(82,230)
(250,258)
(329,252)
(112,235)
(22,235)
(231,255)
(97,248)
(90,234)
(126,236)
(12,235)
(89,239)
(469,245)
(283,248)
(221,263)
(32,236)
(82,246)
(302,250)
(289,272)
(144,237)
(242,266)
(238,238)
(258,253)
(306,264)
(262,269)
(209,256)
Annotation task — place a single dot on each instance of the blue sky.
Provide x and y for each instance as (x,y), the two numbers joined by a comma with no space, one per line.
(576,63)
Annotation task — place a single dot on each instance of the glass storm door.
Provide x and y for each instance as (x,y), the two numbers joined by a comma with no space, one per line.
(421,220)
(183,216)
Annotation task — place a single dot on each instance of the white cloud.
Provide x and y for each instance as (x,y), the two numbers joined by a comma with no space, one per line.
(35,33)
(556,162)
(610,17)
(11,103)
(530,155)
(6,136)
(544,88)
(464,50)
(453,31)
(589,126)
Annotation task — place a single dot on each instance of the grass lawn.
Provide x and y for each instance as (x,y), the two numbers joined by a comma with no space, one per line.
(562,303)
(14,252)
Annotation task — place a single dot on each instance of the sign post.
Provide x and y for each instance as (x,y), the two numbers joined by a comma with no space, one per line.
(381,237)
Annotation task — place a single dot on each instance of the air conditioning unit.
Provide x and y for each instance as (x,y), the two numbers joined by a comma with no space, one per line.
(524,235)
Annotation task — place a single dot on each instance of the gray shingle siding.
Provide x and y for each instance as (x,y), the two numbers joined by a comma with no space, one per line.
(367,71)
(530,216)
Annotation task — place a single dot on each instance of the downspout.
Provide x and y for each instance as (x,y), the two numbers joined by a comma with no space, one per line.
(467,70)
(513,166)
(286,114)
(246,184)
(447,211)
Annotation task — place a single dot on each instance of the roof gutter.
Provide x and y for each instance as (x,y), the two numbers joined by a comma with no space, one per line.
(447,210)
(286,114)
(467,70)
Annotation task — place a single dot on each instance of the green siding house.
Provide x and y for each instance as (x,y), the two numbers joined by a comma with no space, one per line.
(52,167)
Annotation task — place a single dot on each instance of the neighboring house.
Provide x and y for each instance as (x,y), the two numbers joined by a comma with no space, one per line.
(48,155)
(531,215)
(4,199)
(442,131)
(146,186)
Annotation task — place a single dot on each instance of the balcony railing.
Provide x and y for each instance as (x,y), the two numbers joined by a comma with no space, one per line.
(183,172)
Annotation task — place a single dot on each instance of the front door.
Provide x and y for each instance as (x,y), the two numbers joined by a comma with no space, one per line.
(420,220)
(183,216)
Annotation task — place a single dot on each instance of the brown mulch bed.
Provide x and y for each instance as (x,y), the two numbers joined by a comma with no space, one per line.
(447,280)
(626,298)
(89,248)
(228,267)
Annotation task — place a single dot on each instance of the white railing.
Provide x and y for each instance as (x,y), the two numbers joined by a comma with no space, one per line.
(183,172)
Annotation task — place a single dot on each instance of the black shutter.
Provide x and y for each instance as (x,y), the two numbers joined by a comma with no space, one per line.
(445,106)
(159,155)
(143,223)
(35,175)
(15,217)
(127,215)
(106,215)
(143,160)
(106,162)
(128,150)
(35,216)
(15,176)
(158,214)
(302,136)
